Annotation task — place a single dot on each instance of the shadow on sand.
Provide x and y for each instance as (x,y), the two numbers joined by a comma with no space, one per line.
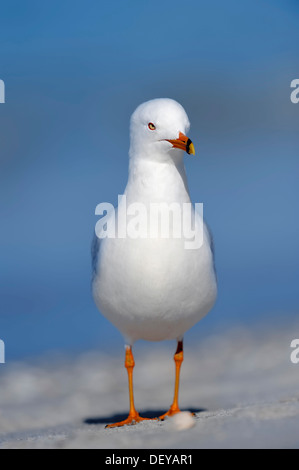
(120,417)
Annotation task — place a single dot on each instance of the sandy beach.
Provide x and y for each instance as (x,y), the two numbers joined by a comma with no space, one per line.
(241,385)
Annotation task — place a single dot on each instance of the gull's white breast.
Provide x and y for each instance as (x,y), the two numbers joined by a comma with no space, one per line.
(154,289)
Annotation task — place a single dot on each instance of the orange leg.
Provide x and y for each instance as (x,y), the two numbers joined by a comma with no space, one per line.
(178,359)
(134,416)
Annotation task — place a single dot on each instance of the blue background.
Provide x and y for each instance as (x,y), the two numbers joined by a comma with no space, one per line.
(74,72)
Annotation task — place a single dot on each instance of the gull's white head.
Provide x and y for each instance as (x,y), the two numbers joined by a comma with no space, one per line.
(158,131)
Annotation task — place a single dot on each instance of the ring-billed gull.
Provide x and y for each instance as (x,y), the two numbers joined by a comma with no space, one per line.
(153,287)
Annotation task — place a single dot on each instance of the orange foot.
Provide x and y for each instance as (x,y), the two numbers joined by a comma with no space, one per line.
(132,419)
(172,411)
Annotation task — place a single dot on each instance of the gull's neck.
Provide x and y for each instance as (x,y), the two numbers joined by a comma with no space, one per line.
(152,181)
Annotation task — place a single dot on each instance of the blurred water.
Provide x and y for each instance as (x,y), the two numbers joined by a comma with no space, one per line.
(74,73)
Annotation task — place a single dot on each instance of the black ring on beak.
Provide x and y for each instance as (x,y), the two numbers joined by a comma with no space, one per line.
(189,142)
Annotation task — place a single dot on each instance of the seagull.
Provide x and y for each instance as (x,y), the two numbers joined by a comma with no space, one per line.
(153,287)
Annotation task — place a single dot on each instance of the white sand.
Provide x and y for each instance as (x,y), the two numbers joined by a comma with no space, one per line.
(244,380)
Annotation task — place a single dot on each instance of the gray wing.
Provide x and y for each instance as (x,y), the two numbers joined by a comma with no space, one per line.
(95,248)
(212,245)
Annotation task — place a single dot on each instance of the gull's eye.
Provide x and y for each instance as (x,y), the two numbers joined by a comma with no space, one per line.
(151,126)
